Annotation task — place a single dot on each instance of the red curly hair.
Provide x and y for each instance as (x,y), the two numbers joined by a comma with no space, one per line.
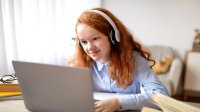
(121,67)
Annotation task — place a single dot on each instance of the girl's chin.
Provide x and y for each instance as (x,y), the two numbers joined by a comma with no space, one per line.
(95,58)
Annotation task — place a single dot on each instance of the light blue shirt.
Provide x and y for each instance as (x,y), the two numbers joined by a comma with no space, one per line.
(138,93)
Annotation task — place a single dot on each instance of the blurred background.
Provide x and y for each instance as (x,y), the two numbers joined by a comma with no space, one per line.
(42,30)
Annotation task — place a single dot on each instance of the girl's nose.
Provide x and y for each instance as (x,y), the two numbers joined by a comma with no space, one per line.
(90,45)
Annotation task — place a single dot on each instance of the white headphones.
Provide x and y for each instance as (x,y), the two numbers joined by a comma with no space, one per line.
(116,31)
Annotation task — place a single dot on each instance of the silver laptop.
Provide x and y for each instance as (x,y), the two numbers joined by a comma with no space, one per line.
(53,88)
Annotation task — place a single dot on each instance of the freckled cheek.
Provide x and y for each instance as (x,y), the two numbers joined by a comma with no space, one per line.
(99,45)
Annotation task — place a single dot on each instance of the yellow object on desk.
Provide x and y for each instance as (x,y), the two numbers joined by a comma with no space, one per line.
(2,94)
(9,87)
(9,90)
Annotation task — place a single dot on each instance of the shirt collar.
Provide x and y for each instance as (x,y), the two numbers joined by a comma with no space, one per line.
(100,65)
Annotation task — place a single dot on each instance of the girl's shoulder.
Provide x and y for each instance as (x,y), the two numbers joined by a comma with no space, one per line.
(140,62)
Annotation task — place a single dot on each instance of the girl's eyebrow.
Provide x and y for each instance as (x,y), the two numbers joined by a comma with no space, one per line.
(93,36)
(81,39)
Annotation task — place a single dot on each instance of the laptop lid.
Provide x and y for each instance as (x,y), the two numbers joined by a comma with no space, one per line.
(53,88)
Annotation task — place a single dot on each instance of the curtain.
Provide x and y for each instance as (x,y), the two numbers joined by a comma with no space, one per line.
(38,30)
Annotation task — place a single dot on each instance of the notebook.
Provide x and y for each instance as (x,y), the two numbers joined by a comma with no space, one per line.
(54,88)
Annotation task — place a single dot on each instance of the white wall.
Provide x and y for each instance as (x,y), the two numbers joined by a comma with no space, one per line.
(163,22)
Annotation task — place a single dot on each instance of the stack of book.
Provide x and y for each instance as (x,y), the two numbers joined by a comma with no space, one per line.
(10,92)
(168,104)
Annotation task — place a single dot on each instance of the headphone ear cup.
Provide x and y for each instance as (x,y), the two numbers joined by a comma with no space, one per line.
(112,37)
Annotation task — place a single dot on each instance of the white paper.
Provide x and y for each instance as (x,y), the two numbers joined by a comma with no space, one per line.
(103,95)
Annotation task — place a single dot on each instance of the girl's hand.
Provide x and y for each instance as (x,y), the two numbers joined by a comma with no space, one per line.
(109,105)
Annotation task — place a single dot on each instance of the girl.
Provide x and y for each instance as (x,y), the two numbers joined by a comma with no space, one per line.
(119,64)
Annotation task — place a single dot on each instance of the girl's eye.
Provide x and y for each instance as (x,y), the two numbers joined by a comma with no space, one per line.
(95,38)
(83,42)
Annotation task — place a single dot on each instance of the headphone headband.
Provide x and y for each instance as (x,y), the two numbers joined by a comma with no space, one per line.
(117,36)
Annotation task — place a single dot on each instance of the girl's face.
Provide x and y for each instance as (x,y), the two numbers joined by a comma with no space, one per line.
(94,43)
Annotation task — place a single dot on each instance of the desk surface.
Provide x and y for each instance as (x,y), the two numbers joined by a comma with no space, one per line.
(18,106)
(16,103)
(13,106)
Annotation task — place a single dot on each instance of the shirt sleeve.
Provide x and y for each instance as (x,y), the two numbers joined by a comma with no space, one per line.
(148,84)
